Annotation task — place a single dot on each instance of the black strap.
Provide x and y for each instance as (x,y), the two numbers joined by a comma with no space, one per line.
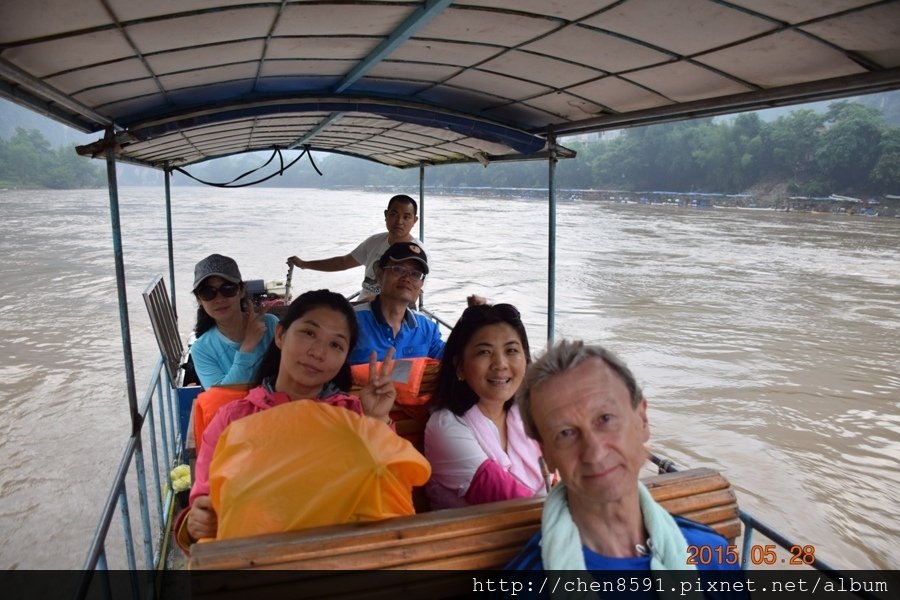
(280,171)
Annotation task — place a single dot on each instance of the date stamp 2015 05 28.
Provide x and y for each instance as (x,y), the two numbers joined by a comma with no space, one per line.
(758,555)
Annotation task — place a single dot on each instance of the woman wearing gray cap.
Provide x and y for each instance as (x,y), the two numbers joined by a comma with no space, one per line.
(231,336)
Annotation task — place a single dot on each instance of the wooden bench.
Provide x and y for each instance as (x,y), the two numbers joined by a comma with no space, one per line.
(472,538)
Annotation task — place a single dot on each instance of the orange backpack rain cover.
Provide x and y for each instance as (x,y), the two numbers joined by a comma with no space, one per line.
(208,404)
(306,464)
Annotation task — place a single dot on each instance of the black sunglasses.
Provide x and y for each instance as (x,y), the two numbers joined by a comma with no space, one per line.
(208,292)
(506,312)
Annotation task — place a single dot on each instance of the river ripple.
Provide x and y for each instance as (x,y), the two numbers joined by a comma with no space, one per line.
(767,343)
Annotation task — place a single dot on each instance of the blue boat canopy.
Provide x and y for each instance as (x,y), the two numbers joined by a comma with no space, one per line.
(406,82)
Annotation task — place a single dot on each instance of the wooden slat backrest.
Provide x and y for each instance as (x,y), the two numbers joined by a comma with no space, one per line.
(702,495)
(165,326)
(477,537)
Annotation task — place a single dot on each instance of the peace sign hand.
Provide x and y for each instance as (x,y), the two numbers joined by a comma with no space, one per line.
(379,393)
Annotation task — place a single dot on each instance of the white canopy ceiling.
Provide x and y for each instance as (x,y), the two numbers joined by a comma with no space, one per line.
(407,82)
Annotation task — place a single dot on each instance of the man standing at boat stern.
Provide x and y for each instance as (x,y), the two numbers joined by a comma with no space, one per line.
(585,409)
(387,321)
(399,218)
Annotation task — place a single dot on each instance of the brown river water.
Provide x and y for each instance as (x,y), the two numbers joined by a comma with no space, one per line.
(768,344)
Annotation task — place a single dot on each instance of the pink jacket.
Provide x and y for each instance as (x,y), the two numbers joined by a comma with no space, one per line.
(470,467)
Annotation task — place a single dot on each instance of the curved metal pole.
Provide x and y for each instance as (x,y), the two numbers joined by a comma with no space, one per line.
(113,185)
(168,173)
(551,242)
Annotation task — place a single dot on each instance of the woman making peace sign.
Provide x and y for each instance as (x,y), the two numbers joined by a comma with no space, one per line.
(307,360)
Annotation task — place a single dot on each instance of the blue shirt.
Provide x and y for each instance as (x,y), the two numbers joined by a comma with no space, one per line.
(637,567)
(418,336)
(218,361)
(696,534)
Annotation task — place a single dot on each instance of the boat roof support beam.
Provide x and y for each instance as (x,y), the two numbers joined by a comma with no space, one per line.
(415,21)
(15,74)
(421,219)
(838,87)
(422,202)
(168,176)
(321,126)
(118,257)
(551,241)
(560,152)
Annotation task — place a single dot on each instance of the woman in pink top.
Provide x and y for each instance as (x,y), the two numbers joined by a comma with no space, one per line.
(474,439)
(307,359)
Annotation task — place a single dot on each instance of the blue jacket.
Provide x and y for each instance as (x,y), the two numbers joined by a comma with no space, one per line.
(418,336)
(218,360)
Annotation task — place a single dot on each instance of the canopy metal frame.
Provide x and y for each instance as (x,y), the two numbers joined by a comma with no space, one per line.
(425,81)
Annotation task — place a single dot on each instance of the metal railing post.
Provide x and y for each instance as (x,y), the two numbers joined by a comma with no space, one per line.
(126,532)
(103,566)
(163,425)
(143,504)
(172,403)
(154,458)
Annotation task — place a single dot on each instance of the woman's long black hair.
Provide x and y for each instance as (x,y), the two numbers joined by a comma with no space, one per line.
(304,303)
(450,392)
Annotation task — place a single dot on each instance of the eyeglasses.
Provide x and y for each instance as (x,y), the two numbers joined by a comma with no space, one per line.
(393,214)
(208,292)
(411,273)
(506,312)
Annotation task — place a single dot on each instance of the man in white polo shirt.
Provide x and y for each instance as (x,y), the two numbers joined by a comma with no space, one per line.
(399,218)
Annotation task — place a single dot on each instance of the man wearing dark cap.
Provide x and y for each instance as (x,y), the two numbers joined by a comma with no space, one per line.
(399,219)
(387,320)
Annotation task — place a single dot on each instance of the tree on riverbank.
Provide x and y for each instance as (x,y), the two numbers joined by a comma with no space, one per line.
(27,160)
(850,148)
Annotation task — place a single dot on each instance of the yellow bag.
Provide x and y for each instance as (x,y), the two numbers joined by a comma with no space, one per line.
(306,464)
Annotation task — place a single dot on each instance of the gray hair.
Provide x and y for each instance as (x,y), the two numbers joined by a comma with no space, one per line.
(562,357)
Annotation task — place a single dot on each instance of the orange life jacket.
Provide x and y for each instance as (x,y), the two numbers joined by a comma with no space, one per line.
(209,402)
(414,379)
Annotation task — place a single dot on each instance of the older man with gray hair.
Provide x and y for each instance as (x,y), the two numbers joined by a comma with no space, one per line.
(585,408)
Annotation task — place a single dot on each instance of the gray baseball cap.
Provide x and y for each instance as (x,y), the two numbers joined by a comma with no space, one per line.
(216,264)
